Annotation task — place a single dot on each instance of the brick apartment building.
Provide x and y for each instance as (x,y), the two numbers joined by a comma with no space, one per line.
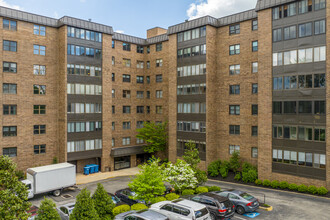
(253,82)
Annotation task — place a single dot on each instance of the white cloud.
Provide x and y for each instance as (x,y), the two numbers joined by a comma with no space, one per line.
(120,31)
(218,8)
(5,4)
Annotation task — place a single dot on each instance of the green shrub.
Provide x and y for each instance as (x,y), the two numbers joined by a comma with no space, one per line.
(172,196)
(223,172)
(284,184)
(274,184)
(247,166)
(302,188)
(312,189)
(213,188)
(249,176)
(235,162)
(138,206)
(258,182)
(322,190)
(201,176)
(158,199)
(188,192)
(266,183)
(20,174)
(293,186)
(214,168)
(201,189)
(120,209)
(238,177)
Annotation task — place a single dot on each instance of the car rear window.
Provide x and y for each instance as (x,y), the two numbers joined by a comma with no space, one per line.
(246,196)
(201,213)
(226,204)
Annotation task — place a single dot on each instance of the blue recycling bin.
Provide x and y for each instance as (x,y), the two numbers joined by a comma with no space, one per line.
(86,170)
(96,167)
(92,168)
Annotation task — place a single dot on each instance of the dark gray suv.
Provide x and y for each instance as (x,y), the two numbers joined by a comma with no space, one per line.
(219,207)
(141,215)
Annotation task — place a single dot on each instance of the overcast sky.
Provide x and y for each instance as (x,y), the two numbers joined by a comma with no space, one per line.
(132,17)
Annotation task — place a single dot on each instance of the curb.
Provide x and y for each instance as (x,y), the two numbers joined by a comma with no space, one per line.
(270,208)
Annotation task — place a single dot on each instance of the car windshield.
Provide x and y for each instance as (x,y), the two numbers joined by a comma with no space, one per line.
(246,196)
(115,199)
(201,213)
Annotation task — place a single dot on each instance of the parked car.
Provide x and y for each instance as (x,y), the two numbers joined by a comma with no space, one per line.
(141,215)
(243,201)
(65,210)
(219,207)
(116,200)
(125,194)
(182,209)
(33,211)
(169,188)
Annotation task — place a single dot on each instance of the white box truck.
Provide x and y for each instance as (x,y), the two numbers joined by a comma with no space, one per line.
(52,178)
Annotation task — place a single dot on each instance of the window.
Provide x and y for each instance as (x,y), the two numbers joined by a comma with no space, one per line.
(319,27)
(254,109)
(159,62)
(186,52)
(113,93)
(39,149)
(234,89)
(277,131)
(159,47)
(277,13)
(254,46)
(113,126)
(8,131)
(234,69)
(319,107)
(126,109)
(305,134)
(148,79)
(113,60)
(254,130)
(127,62)
(113,77)
(148,49)
(277,35)
(139,94)
(39,70)
(159,78)
(255,88)
(139,49)
(319,134)
(126,125)
(9,109)
(319,4)
(290,132)
(234,109)
(39,50)
(234,29)
(290,57)
(277,107)
(9,88)
(186,35)
(305,55)
(139,124)
(113,44)
(113,109)
(139,141)
(9,67)
(127,46)
(305,107)
(319,161)
(254,67)
(319,54)
(305,6)
(277,59)
(277,83)
(159,94)
(305,81)
(39,30)
(39,109)
(234,129)
(39,129)
(126,140)
(140,109)
(277,155)
(148,109)
(39,89)
(10,45)
(9,151)
(195,33)
(148,94)
(233,148)
(305,29)
(159,109)
(290,107)
(126,78)
(234,49)
(290,82)
(319,80)
(290,10)
(254,25)
(290,32)
(139,79)
(9,25)
(126,93)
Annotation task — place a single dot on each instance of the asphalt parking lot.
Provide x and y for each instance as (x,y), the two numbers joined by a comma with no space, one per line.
(286,205)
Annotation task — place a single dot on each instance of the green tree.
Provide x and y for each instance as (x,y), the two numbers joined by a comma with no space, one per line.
(103,203)
(84,208)
(155,136)
(235,162)
(149,182)
(47,211)
(13,193)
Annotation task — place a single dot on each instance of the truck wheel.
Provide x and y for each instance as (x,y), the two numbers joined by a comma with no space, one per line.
(57,193)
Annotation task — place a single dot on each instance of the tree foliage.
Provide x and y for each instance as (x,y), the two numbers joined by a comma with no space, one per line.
(103,203)
(84,208)
(13,193)
(155,136)
(149,182)
(235,162)
(47,211)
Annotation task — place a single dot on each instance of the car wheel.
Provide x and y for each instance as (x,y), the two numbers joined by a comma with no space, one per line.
(57,193)
(212,217)
(240,210)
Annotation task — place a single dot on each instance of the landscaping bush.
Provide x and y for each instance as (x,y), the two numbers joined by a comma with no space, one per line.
(201,189)
(158,199)
(293,186)
(172,196)
(138,206)
(214,168)
(20,174)
(223,172)
(235,162)
(266,183)
(302,188)
(312,189)
(213,188)
(120,209)
(284,184)
(238,177)
(249,176)
(247,166)
(274,184)
(188,192)
(322,190)
(258,182)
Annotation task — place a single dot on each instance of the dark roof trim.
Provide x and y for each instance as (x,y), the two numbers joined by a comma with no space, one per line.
(126,151)
(85,24)
(128,38)
(157,39)
(198,22)
(239,17)
(265,4)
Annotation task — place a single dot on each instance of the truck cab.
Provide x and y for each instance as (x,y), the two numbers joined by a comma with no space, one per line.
(29,186)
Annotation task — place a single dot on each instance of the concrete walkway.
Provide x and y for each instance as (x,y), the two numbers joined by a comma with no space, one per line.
(83,179)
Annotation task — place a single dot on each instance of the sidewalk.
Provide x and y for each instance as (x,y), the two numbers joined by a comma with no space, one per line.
(83,179)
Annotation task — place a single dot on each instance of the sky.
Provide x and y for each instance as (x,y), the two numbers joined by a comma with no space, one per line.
(132,17)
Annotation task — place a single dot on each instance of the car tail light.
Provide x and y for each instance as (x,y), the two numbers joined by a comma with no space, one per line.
(222,210)
(233,206)
(249,204)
